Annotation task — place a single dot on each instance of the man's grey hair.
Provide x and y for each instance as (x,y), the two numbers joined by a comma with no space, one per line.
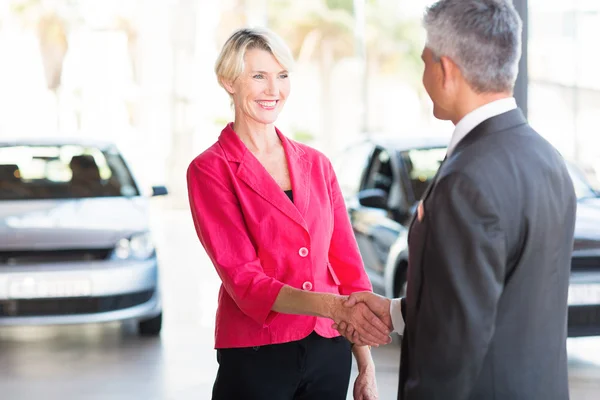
(483,37)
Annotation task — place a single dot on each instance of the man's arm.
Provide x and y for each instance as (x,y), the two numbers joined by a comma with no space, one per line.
(397,307)
(463,274)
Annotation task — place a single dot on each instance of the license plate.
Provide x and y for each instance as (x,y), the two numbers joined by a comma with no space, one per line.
(584,294)
(30,288)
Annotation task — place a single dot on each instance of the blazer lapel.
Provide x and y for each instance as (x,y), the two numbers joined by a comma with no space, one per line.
(299,167)
(253,174)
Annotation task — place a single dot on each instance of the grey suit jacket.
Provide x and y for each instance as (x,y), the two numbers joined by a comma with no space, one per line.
(489,265)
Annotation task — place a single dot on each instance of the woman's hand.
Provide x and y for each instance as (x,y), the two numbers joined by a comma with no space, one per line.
(365,386)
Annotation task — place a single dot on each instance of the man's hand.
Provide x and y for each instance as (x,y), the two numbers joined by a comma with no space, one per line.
(371,330)
(379,305)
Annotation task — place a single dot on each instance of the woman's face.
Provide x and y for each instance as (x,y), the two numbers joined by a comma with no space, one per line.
(260,92)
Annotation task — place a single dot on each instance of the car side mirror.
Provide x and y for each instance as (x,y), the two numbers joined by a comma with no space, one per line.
(373,198)
(159,191)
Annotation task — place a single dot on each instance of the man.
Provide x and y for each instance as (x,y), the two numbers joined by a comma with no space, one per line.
(491,242)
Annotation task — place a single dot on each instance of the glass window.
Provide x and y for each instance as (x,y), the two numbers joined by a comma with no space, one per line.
(59,172)
(564,85)
(421,166)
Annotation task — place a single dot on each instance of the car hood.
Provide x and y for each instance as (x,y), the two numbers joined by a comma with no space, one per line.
(587,227)
(71,223)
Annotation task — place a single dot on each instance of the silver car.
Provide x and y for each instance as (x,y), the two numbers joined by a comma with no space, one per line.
(75,244)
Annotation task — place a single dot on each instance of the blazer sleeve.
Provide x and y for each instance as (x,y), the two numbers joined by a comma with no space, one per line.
(463,271)
(344,255)
(222,231)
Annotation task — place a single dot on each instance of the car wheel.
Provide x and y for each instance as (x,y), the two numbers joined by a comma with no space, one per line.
(402,291)
(150,327)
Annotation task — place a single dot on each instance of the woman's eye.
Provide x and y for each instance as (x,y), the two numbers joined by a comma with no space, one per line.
(283,76)
(258,76)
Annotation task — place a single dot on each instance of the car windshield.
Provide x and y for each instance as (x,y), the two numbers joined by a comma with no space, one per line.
(62,172)
(421,166)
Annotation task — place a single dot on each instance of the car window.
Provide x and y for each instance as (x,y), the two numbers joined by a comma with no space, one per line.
(349,168)
(380,174)
(59,172)
(421,166)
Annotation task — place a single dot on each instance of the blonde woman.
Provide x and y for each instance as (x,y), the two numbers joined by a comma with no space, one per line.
(269,213)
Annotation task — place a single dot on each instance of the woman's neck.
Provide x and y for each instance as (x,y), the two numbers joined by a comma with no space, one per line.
(258,138)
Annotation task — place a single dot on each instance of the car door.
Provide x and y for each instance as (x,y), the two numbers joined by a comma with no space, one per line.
(372,216)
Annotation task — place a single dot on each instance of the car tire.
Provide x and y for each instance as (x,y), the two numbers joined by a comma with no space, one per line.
(150,327)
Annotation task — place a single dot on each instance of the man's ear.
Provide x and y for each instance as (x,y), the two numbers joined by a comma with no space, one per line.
(449,71)
(228,85)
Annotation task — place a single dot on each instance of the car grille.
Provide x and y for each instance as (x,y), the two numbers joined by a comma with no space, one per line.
(52,256)
(72,305)
(584,320)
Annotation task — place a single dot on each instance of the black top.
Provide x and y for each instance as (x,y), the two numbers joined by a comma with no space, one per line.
(290,194)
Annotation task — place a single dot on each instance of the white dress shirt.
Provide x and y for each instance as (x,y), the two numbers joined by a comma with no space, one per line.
(462,129)
(477,116)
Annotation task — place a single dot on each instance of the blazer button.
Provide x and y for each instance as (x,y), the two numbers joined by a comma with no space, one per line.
(303,252)
(307,286)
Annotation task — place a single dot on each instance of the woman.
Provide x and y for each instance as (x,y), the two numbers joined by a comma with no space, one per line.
(270,215)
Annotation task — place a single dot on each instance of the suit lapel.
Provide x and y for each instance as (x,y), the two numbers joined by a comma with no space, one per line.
(508,120)
(504,121)
(256,177)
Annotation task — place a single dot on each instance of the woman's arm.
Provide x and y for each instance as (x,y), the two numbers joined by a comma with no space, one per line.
(365,386)
(294,301)
(222,231)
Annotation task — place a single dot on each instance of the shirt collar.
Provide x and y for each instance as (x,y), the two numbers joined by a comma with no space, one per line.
(477,116)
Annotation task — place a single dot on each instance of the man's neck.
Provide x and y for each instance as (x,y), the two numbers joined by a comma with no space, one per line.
(474,101)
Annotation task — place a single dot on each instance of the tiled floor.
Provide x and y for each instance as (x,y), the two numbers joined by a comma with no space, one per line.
(100,362)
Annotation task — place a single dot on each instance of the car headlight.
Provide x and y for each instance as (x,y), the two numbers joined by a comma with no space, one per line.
(138,246)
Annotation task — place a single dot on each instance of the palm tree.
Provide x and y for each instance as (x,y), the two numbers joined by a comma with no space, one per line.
(52,36)
(318,33)
(394,45)
(51,28)
(52,22)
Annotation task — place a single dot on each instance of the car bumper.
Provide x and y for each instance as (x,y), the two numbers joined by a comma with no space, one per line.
(584,319)
(110,291)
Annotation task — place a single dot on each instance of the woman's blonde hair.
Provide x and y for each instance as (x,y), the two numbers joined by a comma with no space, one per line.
(230,63)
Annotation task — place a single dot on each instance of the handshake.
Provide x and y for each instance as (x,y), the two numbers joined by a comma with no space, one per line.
(363,318)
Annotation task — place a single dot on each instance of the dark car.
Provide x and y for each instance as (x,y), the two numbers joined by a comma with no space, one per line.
(383,180)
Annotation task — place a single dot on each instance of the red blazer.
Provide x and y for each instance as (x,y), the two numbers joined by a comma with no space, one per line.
(258,240)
